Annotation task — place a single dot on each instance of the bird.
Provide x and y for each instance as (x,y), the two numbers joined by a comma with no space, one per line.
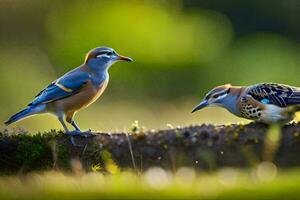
(268,103)
(75,90)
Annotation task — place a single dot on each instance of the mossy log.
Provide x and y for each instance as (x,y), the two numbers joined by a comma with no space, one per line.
(204,147)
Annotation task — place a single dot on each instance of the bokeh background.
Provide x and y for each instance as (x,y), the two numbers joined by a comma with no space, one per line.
(181,48)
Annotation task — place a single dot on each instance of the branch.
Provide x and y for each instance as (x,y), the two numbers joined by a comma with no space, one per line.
(205,147)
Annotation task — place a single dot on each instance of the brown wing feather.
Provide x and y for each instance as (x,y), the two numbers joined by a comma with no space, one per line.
(277,94)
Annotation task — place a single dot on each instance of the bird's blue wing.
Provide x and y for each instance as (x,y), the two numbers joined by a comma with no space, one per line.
(277,94)
(67,85)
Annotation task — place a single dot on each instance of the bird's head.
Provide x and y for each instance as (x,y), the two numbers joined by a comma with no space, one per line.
(104,56)
(216,97)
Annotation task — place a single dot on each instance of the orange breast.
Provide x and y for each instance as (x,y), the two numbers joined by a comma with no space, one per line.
(82,99)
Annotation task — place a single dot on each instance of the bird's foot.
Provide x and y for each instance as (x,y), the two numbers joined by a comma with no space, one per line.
(85,134)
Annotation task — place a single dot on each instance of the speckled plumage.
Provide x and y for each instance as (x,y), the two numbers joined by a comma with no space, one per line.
(264,102)
(249,108)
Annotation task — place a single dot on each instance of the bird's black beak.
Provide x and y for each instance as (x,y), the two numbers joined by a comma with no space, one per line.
(124,58)
(201,105)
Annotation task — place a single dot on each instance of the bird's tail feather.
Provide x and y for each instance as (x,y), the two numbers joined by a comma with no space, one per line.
(25,113)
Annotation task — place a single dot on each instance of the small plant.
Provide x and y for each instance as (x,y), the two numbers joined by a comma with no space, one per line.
(109,163)
(96,168)
(136,128)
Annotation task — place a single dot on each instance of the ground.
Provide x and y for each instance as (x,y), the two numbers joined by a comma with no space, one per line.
(206,161)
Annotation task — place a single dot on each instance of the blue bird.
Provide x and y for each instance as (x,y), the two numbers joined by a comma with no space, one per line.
(75,90)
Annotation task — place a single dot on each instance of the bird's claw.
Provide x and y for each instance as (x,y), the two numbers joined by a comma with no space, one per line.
(86,134)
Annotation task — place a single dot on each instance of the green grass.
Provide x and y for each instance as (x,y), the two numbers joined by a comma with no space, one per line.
(262,182)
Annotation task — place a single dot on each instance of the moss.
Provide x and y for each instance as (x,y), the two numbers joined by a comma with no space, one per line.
(63,156)
(31,150)
(28,152)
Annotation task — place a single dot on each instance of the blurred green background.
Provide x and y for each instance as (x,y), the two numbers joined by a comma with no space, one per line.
(181,48)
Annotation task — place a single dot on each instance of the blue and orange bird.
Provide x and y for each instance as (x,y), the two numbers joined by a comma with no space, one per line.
(75,90)
(265,102)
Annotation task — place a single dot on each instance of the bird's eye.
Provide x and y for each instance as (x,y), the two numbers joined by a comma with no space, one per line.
(100,54)
(219,94)
(109,53)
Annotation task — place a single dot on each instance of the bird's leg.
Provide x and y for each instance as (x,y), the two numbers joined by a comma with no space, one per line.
(60,118)
(73,123)
(78,131)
